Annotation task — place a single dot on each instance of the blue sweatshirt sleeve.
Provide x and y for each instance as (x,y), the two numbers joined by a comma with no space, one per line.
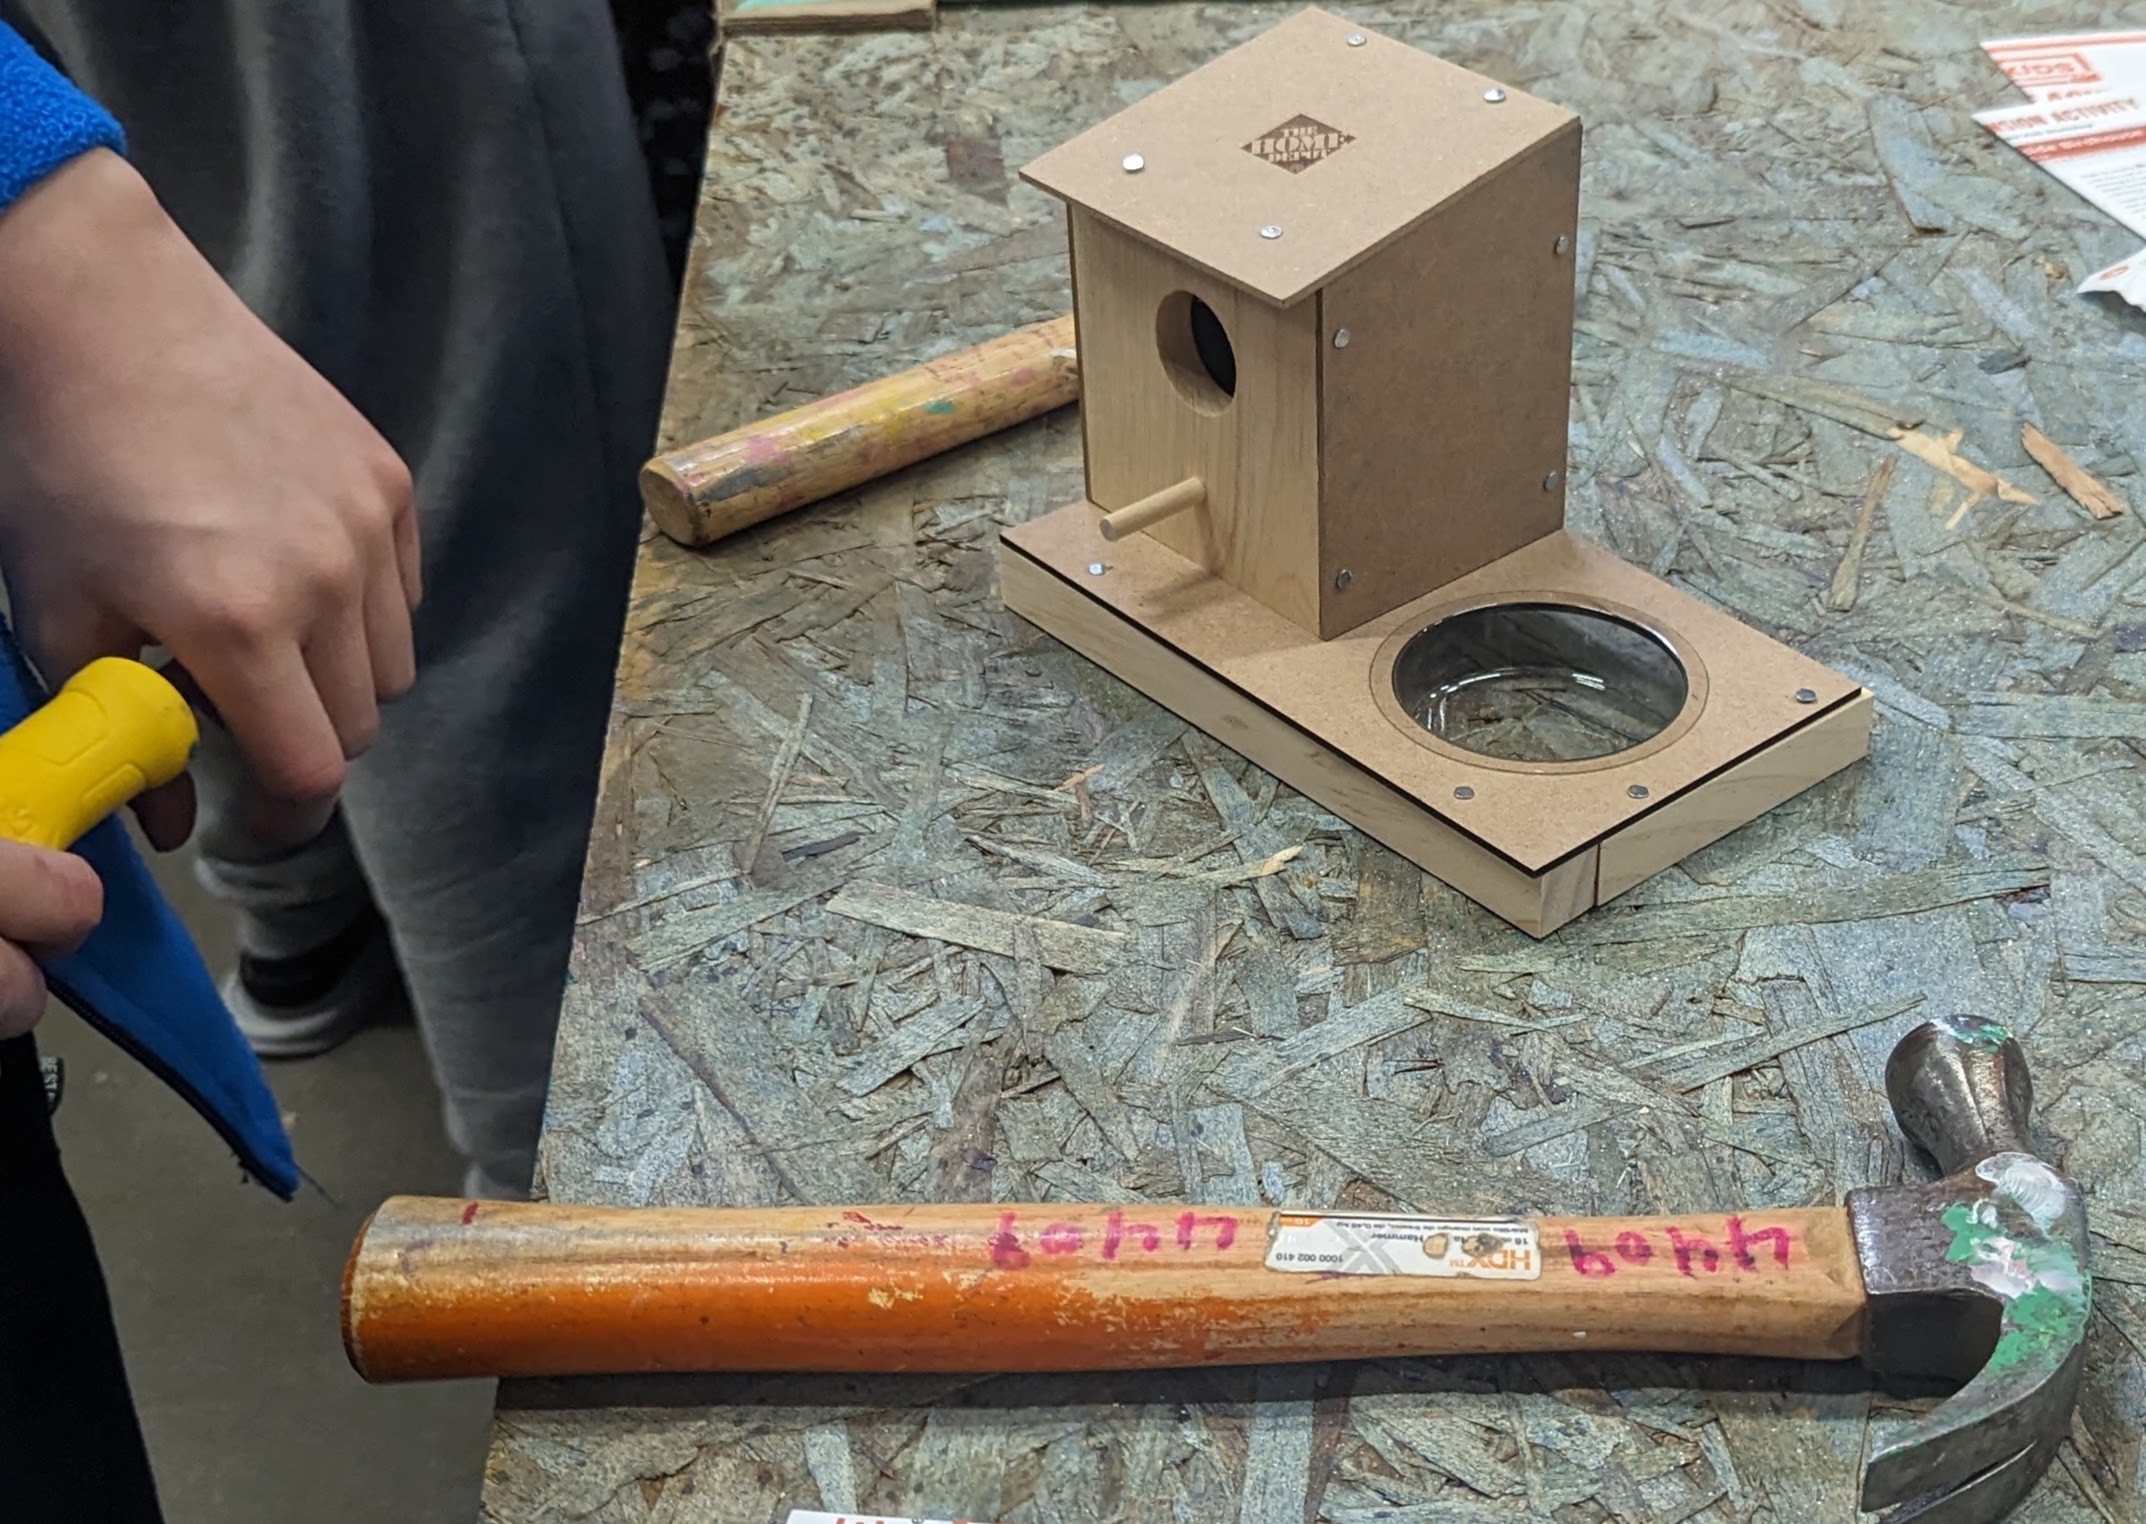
(44,120)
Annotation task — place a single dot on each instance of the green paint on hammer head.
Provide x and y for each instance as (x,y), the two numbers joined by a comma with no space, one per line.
(2036,1275)
(1977,1031)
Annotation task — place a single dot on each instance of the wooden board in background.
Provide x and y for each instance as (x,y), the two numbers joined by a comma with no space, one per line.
(743,18)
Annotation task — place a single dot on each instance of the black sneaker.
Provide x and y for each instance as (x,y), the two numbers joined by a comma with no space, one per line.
(304,1005)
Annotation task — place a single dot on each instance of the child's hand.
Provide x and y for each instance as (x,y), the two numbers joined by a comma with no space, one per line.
(49,901)
(173,474)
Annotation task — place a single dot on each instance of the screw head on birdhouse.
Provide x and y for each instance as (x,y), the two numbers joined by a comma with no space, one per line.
(1321,180)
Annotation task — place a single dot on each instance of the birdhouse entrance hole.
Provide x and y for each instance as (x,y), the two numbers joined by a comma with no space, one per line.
(1196,351)
(1539,682)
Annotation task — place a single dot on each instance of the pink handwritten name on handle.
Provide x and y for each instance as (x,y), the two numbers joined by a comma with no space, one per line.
(1695,1255)
(1191,1231)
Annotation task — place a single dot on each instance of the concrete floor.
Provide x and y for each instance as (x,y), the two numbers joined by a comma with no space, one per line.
(226,1297)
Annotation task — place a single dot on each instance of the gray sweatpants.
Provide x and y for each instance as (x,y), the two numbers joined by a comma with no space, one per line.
(441,205)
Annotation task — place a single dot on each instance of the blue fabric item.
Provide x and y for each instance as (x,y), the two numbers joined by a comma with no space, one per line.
(44,120)
(140,981)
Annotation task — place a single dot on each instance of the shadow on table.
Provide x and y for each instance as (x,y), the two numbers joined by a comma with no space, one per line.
(1636,1382)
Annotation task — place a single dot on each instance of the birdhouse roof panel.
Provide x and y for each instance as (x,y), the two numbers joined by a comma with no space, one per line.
(1292,158)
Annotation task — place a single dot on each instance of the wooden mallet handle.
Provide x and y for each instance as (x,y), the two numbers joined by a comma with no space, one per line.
(701,492)
(441,1288)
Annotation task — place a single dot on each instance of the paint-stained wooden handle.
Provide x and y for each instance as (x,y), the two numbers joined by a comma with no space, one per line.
(702,492)
(441,1288)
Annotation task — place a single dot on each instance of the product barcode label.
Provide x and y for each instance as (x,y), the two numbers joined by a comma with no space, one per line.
(1500,1249)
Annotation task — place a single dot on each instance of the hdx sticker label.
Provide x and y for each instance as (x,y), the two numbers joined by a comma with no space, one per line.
(1504,1249)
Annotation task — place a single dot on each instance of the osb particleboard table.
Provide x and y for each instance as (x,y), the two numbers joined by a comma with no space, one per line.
(1794,239)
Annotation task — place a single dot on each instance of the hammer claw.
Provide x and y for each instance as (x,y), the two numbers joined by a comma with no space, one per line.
(2004,1423)
(1983,1497)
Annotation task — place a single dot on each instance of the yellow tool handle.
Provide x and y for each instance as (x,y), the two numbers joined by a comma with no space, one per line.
(114,730)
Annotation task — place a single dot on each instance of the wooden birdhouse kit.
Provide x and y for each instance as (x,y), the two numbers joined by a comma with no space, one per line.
(1323,289)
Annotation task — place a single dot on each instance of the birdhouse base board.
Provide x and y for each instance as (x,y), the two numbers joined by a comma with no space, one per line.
(1309,712)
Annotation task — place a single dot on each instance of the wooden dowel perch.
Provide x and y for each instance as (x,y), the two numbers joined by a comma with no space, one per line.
(701,492)
(1154,508)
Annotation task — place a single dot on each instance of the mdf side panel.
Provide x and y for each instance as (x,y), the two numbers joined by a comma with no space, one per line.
(1152,414)
(1444,415)
(1734,798)
(1537,904)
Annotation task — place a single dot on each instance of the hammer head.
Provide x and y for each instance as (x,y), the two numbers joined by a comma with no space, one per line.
(1979,1276)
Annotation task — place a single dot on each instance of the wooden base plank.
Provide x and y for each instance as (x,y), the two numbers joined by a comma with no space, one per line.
(1740,700)
(1735,798)
(1536,903)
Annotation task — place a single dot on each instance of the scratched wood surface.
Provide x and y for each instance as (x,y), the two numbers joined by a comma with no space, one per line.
(889,896)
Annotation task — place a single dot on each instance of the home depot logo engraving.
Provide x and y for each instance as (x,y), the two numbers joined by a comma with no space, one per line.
(1298,144)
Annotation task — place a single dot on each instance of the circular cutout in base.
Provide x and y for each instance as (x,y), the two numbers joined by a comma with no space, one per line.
(1539,682)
